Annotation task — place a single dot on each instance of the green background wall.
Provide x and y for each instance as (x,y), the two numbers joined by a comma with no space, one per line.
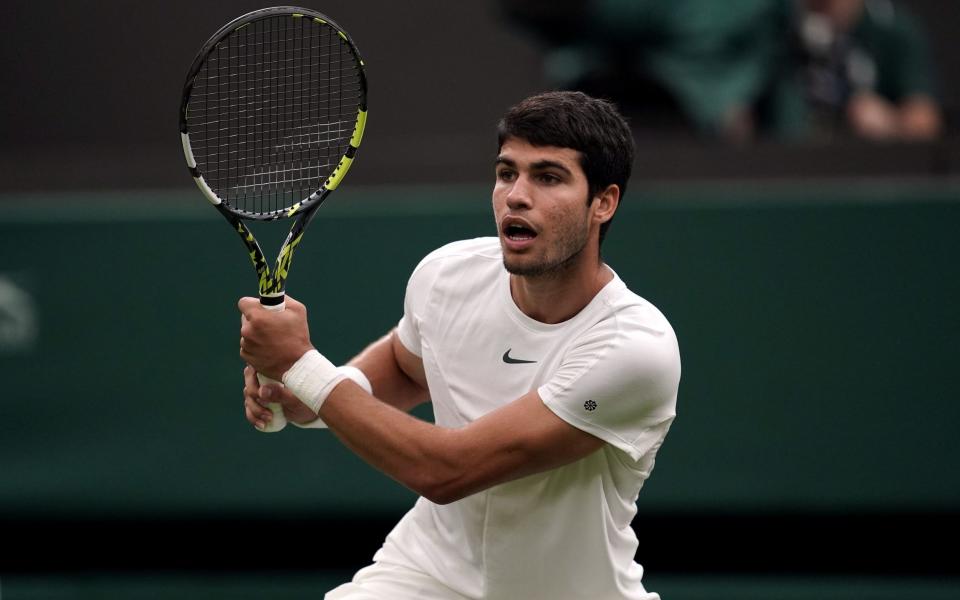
(818,329)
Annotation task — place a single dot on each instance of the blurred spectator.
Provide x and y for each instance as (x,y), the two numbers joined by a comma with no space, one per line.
(720,67)
(868,70)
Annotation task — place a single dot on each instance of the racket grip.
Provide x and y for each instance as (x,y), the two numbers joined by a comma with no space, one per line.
(279,420)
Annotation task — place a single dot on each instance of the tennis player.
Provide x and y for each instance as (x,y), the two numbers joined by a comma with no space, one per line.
(553,385)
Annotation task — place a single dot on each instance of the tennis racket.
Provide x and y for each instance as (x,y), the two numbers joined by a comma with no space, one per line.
(273,111)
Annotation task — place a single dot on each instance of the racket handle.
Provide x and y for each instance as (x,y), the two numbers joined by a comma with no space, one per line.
(279,421)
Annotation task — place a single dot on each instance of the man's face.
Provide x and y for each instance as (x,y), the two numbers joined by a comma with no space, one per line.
(842,14)
(540,206)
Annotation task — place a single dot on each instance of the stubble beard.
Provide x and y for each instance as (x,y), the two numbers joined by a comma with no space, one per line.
(550,267)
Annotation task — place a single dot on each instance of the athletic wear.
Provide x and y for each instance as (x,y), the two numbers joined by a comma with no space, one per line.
(385,581)
(612,370)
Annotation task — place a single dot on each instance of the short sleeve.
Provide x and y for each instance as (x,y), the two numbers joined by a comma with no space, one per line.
(619,384)
(408,330)
(415,301)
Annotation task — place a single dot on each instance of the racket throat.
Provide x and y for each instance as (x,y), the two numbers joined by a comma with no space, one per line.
(272,287)
(273,284)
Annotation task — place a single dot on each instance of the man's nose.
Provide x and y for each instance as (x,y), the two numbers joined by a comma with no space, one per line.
(520,193)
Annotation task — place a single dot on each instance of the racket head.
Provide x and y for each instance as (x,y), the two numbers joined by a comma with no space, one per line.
(273,111)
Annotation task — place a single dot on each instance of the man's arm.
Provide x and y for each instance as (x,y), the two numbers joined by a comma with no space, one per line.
(915,119)
(443,465)
(920,118)
(397,380)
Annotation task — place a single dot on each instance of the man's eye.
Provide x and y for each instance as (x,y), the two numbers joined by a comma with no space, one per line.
(549,178)
(505,175)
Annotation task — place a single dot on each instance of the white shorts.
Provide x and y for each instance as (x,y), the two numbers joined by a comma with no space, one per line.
(385,581)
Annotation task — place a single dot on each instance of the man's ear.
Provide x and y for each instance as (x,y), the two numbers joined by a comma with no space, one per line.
(606,203)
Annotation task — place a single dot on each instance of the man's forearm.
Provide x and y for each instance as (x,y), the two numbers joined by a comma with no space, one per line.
(407,449)
(444,464)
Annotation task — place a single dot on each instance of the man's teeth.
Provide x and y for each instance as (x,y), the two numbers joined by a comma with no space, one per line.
(515,232)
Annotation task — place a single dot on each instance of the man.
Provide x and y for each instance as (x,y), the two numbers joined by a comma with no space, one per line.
(552,384)
(869,70)
(717,69)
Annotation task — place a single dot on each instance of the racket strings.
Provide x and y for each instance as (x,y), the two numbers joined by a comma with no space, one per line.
(251,112)
(272,112)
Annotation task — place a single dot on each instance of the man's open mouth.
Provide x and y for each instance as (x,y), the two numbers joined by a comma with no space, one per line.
(518,231)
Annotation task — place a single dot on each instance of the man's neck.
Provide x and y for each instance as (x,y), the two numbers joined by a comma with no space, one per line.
(557,297)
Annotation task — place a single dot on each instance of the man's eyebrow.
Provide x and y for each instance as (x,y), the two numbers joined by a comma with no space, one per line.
(540,165)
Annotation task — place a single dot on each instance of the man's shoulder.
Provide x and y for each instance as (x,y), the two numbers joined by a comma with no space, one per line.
(631,307)
(629,316)
(488,247)
(456,273)
(484,249)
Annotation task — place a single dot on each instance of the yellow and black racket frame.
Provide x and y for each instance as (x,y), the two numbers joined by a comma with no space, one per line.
(272,283)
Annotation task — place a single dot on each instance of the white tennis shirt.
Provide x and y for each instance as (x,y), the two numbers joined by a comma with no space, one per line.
(612,370)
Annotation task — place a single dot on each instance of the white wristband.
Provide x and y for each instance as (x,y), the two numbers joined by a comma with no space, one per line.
(357,376)
(352,373)
(312,378)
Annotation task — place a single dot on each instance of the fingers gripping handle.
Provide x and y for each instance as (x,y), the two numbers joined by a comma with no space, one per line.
(279,421)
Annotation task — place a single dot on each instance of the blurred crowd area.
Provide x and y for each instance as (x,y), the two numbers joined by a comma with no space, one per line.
(740,70)
(716,89)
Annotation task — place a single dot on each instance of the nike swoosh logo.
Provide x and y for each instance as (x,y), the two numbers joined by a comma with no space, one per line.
(514,361)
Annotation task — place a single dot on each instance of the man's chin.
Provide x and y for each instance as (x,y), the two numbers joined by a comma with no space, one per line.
(524,268)
(528,266)
(515,267)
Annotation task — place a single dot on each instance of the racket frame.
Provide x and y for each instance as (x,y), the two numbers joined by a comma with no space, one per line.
(272,283)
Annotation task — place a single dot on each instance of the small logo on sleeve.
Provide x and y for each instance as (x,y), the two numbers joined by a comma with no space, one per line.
(590,405)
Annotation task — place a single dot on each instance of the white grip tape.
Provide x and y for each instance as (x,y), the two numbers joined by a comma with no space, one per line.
(355,375)
(279,420)
(312,378)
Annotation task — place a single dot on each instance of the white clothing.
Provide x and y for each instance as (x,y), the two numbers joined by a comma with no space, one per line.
(612,370)
(385,581)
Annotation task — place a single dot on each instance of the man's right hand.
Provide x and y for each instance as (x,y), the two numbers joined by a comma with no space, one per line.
(257,397)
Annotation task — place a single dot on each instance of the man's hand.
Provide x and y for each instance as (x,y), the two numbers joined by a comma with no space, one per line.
(272,341)
(257,397)
(873,117)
